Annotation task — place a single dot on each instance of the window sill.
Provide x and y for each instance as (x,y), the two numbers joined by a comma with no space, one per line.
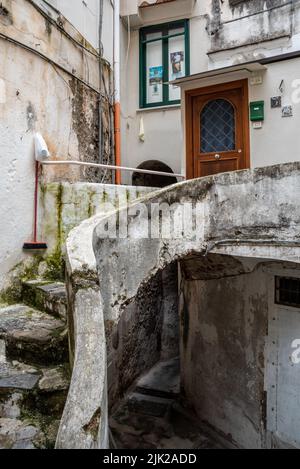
(159,108)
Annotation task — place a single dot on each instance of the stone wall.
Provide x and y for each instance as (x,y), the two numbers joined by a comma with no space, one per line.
(148,331)
(134,345)
(227,313)
(224,318)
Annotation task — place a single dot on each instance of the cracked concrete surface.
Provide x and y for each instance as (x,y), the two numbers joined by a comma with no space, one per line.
(235,222)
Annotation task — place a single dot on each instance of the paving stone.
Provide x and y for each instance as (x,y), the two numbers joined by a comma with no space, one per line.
(23,381)
(15,384)
(2,352)
(33,336)
(148,421)
(10,406)
(162,380)
(50,297)
(149,405)
(18,377)
(24,368)
(54,379)
(15,434)
(44,391)
(30,342)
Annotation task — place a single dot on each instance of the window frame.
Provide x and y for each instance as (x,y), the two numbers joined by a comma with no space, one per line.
(278,288)
(163,28)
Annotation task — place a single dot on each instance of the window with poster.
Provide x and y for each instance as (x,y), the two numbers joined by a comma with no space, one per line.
(164,56)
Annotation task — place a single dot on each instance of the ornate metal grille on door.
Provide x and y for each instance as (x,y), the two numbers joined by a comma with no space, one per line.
(217,127)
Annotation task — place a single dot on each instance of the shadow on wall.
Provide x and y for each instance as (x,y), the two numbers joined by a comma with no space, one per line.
(154,180)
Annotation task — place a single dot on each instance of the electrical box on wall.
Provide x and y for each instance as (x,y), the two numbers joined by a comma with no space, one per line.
(257,111)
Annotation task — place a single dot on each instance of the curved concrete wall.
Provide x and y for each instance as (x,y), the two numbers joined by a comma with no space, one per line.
(84,422)
(256,208)
(252,213)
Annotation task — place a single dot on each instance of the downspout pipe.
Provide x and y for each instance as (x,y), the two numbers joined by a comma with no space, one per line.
(100,142)
(117,94)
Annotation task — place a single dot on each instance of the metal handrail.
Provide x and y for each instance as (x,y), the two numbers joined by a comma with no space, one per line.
(111,167)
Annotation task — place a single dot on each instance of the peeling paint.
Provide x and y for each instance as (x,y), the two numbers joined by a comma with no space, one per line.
(266,20)
(31,117)
(93,426)
(85,116)
(5,14)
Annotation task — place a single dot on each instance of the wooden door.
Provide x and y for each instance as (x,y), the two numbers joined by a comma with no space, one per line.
(283,419)
(218,128)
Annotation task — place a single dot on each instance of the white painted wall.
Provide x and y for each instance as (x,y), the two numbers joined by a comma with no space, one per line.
(163,130)
(279,139)
(162,127)
(164,135)
(220,355)
(36,96)
(85,17)
(228,360)
(46,97)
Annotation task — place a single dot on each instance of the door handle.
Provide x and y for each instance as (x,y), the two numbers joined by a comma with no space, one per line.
(217,156)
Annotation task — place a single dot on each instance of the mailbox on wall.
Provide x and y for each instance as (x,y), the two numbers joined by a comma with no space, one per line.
(257,111)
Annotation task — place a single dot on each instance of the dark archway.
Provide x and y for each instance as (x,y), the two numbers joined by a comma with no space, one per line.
(153,180)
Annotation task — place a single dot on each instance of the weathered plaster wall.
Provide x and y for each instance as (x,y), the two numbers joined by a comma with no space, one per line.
(148,330)
(225,214)
(234,221)
(85,17)
(279,136)
(236,24)
(64,206)
(44,97)
(224,325)
(135,343)
(221,34)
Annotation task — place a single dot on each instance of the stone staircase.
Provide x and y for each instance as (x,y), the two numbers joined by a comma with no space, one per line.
(34,370)
(151,416)
(155,392)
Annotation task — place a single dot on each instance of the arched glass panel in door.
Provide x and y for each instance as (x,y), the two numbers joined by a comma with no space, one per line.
(217,123)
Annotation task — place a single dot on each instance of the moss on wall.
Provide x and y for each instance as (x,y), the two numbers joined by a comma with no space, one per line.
(64,206)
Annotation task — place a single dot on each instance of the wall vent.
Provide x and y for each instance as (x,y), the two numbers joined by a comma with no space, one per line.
(287,291)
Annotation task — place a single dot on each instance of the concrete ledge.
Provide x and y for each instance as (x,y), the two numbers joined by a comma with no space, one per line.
(84,424)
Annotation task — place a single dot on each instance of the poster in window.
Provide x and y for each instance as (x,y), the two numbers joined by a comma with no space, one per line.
(155,79)
(177,62)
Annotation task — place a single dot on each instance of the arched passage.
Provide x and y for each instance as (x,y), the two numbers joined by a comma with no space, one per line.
(218,396)
(253,215)
(232,223)
(153,180)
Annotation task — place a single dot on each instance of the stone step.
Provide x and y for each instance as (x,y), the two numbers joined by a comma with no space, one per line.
(15,434)
(149,405)
(32,433)
(24,388)
(133,428)
(31,336)
(46,296)
(163,380)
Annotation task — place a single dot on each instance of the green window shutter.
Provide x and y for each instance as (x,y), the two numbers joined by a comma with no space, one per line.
(166,32)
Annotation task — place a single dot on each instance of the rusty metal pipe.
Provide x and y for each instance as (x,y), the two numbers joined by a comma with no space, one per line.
(117,107)
(118,141)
